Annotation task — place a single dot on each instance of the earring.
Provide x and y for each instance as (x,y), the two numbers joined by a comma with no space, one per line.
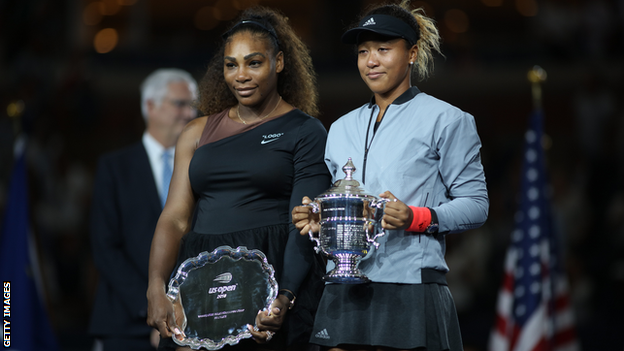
(411,63)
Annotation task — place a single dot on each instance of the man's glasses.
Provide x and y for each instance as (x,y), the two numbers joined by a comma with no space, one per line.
(180,103)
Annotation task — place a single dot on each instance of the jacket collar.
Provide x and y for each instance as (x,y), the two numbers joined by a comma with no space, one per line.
(405,97)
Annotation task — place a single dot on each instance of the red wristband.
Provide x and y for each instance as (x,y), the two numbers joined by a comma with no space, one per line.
(422,219)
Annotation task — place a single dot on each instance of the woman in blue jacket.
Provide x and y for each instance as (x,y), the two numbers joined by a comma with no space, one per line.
(424,154)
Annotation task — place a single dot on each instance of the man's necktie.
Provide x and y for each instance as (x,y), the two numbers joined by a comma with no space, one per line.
(166,176)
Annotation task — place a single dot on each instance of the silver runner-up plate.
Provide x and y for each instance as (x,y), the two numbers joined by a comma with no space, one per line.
(217,294)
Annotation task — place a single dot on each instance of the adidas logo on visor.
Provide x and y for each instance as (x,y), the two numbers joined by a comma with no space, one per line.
(370,22)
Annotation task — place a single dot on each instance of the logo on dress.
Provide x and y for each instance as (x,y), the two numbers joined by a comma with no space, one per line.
(370,22)
(269,138)
(323,334)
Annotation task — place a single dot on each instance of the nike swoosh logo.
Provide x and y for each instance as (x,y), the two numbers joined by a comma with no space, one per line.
(267,141)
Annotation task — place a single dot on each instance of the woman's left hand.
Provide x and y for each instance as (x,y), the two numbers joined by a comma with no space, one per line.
(267,324)
(397,215)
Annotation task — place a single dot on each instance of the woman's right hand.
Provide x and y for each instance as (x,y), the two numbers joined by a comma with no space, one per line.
(160,314)
(304,219)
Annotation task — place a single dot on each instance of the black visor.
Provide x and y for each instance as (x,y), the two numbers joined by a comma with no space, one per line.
(386,25)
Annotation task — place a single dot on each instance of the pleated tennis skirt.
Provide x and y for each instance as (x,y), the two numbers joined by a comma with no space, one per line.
(402,316)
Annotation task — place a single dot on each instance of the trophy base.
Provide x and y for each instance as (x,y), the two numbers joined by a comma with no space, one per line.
(346,271)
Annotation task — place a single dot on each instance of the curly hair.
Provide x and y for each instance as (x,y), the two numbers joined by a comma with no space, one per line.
(429,38)
(296,83)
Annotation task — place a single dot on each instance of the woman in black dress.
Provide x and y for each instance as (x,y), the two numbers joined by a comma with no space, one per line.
(241,169)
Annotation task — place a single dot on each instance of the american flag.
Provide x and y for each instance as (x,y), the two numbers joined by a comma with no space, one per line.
(533,311)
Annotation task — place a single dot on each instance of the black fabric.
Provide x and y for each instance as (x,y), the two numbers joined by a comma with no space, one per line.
(246,186)
(127,344)
(429,275)
(377,124)
(265,25)
(385,25)
(256,173)
(255,178)
(124,213)
(403,316)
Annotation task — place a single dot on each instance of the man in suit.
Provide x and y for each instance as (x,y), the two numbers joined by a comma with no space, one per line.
(130,188)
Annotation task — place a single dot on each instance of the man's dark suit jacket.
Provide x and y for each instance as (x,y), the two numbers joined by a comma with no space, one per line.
(124,213)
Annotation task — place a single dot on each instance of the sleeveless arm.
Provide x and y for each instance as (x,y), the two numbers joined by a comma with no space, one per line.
(174,222)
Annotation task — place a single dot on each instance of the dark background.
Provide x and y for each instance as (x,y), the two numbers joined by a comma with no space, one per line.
(77,103)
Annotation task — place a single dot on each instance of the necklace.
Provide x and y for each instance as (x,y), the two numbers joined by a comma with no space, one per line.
(261,118)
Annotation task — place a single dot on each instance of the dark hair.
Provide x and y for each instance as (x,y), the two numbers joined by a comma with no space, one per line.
(296,83)
(429,36)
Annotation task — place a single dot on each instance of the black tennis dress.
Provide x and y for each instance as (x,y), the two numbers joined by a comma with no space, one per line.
(247,179)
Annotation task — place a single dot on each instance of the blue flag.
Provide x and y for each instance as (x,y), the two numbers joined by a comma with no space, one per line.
(25,321)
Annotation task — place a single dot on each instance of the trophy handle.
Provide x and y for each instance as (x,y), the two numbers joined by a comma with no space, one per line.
(317,248)
(315,209)
(380,204)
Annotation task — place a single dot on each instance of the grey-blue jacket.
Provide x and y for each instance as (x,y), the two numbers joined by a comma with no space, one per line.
(427,153)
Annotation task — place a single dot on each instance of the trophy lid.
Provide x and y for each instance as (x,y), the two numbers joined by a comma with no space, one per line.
(348,186)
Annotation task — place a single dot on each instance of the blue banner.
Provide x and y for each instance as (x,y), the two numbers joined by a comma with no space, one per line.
(25,321)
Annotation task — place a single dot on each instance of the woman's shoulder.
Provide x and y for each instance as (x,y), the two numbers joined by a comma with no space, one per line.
(198,124)
(297,114)
(195,126)
(191,134)
(194,130)
(299,118)
(439,114)
(433,104)
(301,125)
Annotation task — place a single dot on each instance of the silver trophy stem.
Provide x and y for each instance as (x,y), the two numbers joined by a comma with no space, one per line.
(346,271)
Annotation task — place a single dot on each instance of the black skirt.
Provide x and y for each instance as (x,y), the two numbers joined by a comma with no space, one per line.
(402,316)
(271,240)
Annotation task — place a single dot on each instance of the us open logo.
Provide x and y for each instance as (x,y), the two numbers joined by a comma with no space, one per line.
(223,278)
(222,291)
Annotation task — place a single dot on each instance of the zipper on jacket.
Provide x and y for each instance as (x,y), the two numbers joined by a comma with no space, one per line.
(367,145)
